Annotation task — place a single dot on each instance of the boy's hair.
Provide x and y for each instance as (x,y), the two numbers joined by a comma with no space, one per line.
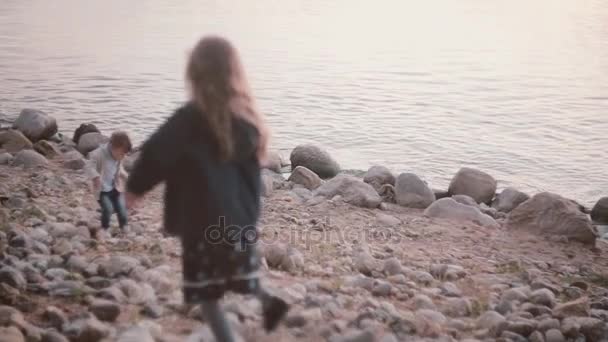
(121,139)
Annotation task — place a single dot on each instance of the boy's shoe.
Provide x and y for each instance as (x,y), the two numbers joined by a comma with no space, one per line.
(274,310)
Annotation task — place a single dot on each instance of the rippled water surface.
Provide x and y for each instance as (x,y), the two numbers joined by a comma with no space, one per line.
(517,88)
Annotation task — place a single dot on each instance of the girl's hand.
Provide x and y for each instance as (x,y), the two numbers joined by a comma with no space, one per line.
(131,200)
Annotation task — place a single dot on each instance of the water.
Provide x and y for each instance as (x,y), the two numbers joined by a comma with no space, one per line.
(517,88)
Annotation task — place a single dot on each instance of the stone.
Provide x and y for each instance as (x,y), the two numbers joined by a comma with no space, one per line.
(512,337)
(136,334)
(521,326)
(518,294)
(55,317)
(53,336)
(356,336)
(13,141)
(592,328)
(458,307)
(490,320)
(29,159)
(87,330)
(474,183)
(447,272)
(578,307)
(509,199)
(423,302)
(11,334)
(11,316)
(392,266)
(12,277)
(536,336)
(152,310)
(548,324)
(412,192)
(105,310)
(377,176)
(364,263)
(449,289)
(315,159)
(68,289)
(91,141)
(429,321)
(84,129)
(303,176)
(160,280)
(136,293)
(554,335)
(5,158)
(74,164)
(47,149)
(422,277)
(274,162)
(543,297)
(381,288)
(118,265)
(551,214)
(466,200)
(599,213)
(352,190)
(35,125)
(447,208)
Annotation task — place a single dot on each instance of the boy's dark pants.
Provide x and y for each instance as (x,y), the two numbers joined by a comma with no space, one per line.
(112,202)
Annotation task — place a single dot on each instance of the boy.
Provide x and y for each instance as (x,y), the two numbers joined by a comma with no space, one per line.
(108,177)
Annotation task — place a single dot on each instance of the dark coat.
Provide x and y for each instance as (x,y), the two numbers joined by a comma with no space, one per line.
(200,190)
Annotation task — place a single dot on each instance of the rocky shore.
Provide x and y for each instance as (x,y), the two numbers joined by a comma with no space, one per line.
(380,258)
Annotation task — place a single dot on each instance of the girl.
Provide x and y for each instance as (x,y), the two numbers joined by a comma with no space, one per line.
(209,153)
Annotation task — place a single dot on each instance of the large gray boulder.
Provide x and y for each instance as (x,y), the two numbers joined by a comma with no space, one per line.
(413,192)
(352,190)
(474,183)
(315,159)
(599,213)
(509,199)
(307,178)
(82,130)
(447,208)
(377,176)
(36,125)
(29,158)
(91,141)
(13,141)
(548,213)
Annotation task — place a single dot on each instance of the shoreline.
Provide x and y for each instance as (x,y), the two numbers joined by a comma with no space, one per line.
(355,264)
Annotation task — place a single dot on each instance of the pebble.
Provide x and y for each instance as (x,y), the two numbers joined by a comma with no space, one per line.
(12,277)
(578,307)
(87,330)
(490,320)
(55,317)
(548,324)
(53,336)
(105,310)
(423,302)
(153,310)
(392,266)
(543,297)
(11,334)
(357,336)
(554,335)
(381,288)
(536,336)
(423,278)
(449,289)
